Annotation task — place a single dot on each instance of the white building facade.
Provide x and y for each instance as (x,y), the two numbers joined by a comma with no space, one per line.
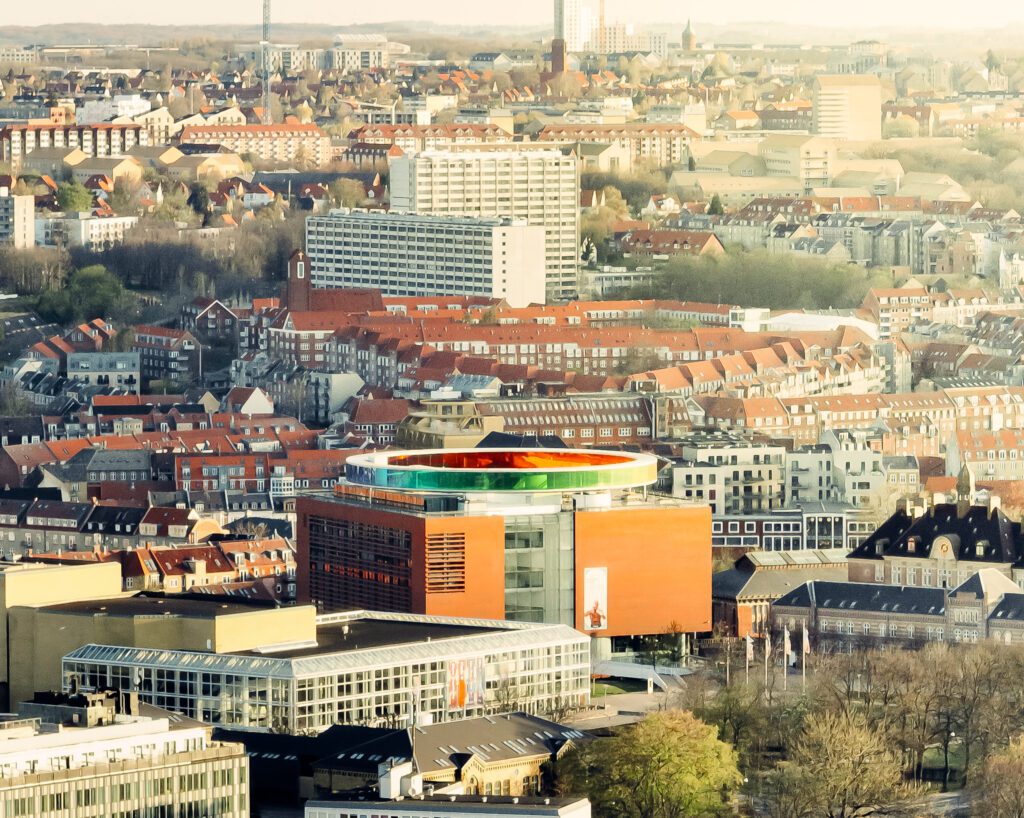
(17,220)
(309,687)
(540,187)
(134,766)
(404,254)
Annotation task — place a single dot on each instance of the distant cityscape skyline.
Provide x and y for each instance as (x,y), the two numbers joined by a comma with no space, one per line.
(865,15)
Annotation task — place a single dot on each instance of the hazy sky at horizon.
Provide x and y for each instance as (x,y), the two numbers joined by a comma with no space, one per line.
(862,15)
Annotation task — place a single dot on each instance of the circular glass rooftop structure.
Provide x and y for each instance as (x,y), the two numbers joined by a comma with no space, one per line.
(502,470)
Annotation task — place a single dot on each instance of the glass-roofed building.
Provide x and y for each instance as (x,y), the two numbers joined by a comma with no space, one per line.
(375,669)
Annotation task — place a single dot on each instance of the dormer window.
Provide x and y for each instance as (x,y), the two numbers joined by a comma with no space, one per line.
(911,545)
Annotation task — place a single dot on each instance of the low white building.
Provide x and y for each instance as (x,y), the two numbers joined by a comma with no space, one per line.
(102,110)
(451,806)
(333,671)
(407,254)
(84,755)
(82,230)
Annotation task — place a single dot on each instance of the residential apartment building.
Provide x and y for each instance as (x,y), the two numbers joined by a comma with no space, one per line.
(273,143)
(374,419)
(166,354)
(810,159)
(663,145)
(360,52)
(96,233)
(99,139)
(222,472)
(729,473)
(11,55)
(412,138)
(116,369)
(579,420)
(575,24)
(895,310)
(350,52)
(446,423)
(540,187)
(17,220)
(404,254)
(119,105)
(847,106)
(996,454)
(92,754)
(210,319)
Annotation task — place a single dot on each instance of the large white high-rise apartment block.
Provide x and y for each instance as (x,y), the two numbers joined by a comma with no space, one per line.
(538,186)
(17,220)
(405,254)
(848,106)
(575,22)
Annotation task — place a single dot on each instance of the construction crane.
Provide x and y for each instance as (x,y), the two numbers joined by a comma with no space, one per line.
(265,49)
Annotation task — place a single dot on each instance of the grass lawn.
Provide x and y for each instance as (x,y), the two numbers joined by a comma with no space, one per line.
(933,757)
(610,687)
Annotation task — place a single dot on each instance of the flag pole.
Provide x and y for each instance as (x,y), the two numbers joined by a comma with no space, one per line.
(767,650)
(786,647)
(804,650)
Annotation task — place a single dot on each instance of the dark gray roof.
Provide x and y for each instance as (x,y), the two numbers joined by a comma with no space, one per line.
(186,605)
(1009,609)
(998,535)
(737,583)
(361,634)
(865,596)
(450,744)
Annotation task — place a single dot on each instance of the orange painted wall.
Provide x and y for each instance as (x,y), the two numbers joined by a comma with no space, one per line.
(744,621)
(659,567)
(485,569)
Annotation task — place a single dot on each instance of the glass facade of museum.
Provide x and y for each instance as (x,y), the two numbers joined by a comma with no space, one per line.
(507,666)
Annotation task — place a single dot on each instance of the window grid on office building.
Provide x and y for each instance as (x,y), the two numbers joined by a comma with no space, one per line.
(357,565)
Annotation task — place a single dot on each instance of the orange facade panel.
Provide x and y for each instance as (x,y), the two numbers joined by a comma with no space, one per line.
(640,570)
(459,567)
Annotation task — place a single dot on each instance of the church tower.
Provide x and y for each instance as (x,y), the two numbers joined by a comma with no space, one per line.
(964,491)
(689,38)
(298,295)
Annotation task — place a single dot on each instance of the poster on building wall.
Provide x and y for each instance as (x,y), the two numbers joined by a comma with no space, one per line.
(595,599)
(466,683)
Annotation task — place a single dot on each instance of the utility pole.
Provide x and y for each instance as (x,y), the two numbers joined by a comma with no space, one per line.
(265,49)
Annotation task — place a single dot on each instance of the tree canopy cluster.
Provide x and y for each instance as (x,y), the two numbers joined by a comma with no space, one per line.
(92,292)
(761,279)
(983,165)
(866,737)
